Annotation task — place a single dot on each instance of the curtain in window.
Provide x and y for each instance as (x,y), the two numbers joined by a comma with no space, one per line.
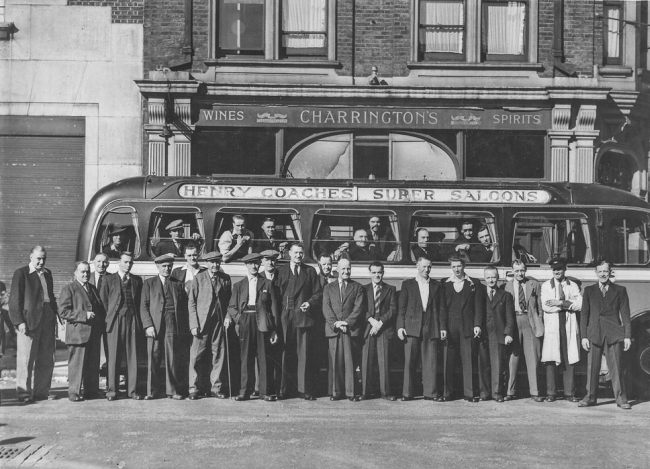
(201,225)
(492,229)
(136,227)
(613,32)
(443,14)
(547,237)
(585,233)
(304,15)
(297,225)
(392,219)
(506,27)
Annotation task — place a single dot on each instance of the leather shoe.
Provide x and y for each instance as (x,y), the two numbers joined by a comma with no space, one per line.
(75,398)
(176,397)
(137,397)
(255,394)
(509,398)
(551,399)
(538,398)
(427,398)
(483,399)
(308,397)
(194,396)
(269,398)
(625,406)
(363,397)
(499,399)
(353,399)
(26,400)
(442,399)
(572,399)
(471,399)
(148,397)
(111,398)
(390,398)
(242,397)
(585,404)
(218,395)
(406,398)
(335,398)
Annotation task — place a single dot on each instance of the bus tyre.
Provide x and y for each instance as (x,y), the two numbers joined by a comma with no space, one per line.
(641,369)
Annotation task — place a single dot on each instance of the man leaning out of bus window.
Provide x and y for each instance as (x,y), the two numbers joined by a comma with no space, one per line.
(236,243)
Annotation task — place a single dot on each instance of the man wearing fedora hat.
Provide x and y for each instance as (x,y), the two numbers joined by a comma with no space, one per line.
(208,302)
(118,241)
(174,245)
(255,307)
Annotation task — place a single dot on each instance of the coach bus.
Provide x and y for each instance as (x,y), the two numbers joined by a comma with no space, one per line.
(490,223)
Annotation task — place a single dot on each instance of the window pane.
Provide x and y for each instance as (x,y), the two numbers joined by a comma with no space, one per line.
(308,16)
(359,237)
(540,237)
(625,239)
(504,154)
(237,151)
(171,230)
(613,31)
(506,25)
(241,26)
(370,157)
(119,232)
(326,158)
(417,159)
(441,26)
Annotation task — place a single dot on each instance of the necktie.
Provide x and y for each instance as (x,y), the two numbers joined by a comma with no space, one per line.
(377,295)
(297,271)
(562,297)
(491,294)
(522,297)
(213,279)
(603,289)
(342,290)
(99,282)
(125,279)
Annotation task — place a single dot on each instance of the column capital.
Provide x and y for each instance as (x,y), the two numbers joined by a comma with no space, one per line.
(561,116)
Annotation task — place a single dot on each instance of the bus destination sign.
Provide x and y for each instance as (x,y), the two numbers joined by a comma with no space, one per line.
(363,194)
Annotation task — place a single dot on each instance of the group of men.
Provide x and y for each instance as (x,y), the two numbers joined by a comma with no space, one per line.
(185,314)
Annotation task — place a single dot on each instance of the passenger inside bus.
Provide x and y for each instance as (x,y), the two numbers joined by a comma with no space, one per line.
(361,249)
(428,245)
(382,239)
(486,249)
(176,241)
(236,243)
(270,238)
(325,245)
(465,239)
(118,241)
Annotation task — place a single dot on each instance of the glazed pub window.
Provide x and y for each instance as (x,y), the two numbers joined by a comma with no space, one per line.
(363,236)
(171,229)
(304,28)
(266,228)
(613,47)
(241,27)
(503,33)
(625,237)
(118,232)
(441,30)
(440,235)
(538,237)
(504,154)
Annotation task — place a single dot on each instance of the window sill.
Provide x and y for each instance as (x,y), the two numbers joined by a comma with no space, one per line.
(248,62)
(476,66)
(615,71)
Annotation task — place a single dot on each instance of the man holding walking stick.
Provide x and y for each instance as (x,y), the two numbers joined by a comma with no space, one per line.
(208,302)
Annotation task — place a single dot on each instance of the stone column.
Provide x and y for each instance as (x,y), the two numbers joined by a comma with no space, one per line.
(157,145)
(179,163)
(582,160)
(560,136)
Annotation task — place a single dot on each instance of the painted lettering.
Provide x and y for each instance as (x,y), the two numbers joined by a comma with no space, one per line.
(355,117)
(429,194)
(304,117)
(343,117)
(433,118)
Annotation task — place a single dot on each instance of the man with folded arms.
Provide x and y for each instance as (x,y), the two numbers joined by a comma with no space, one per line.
(254,307)
(164,316)
(85,316)
(605,327)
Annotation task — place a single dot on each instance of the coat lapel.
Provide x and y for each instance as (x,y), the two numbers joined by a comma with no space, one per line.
(496,298)
(609,296)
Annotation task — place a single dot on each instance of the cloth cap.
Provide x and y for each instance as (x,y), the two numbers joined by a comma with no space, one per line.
(270,253)
(212,256)
(252,257)
(175,225)
(164,258)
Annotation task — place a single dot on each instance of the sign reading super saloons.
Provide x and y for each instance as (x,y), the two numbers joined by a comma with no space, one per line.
(363,194)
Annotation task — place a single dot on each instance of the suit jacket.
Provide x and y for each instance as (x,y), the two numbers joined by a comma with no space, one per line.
(349,310)
(306,289)
(605,319)
(479,253)
(167,246)
(473,305)
(387,313)
(263,243)
(112,297)
(358,253)
(533,291)
(75,303)
(152,305)
(267,303)
(433,252)
(385,243)
(180,273)
(414,318)
(502,310)
(26,298)
(205,301)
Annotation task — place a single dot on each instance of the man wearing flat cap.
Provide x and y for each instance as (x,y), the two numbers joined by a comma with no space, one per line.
(208,302)
(118,242)
(174,245)
(163,310)
(561,302)
(255,307)
(269,270)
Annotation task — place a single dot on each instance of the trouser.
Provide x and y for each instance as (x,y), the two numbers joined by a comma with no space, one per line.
(122,340)
(565,366)
(427,350)
(484,354)
(458,345)
(614,355)
(35,357)
(376,351)
(254,344)
(343,350)
(524,342)
(83,365)
(492,353)
(164,347)
(5,321)
(212,336)
(294,357)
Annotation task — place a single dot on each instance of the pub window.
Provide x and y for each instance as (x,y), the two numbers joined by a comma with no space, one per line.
(504,154)
(171,229)
(503,37)
(625,238)
(363,236)
(613,50)
(304,27)
(539,237)
(241,27)
(235,151)
(286,223)
(118,232)
(439,235)
(442,30)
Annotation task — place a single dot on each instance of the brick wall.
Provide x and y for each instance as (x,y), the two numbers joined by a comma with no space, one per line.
(545,36)
(122,11)
(583,38)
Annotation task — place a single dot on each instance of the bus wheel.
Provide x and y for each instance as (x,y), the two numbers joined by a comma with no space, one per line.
(641,369)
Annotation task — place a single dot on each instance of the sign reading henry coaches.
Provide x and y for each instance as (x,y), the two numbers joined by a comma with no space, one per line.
(374,118)
(362,194)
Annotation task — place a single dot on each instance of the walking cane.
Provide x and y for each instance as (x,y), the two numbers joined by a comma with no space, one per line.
(227,352)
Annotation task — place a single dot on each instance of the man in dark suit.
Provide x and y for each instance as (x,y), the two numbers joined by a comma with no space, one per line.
(164,318)
(421,323)
(344,325)
(499,325)
(424,248)
(120,295)
(301,294)
(483,252)
(186,273)
(33,310)
(605,327)
(466,307)
(382,238)
(208,302)
(85,318)
(96,279)
(320,349)
(254,307)
(381,313)
(361,250)
(270,239)
(529,329)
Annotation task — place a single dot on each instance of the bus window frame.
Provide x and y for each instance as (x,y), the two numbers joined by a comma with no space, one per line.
(102,215)
(606,216)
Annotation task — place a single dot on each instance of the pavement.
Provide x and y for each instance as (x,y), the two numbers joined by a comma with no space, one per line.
(318,434)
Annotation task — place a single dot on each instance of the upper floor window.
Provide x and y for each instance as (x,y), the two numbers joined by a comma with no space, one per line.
(504,31)
(613,50)
(442,30)
(304,27)
(241,27)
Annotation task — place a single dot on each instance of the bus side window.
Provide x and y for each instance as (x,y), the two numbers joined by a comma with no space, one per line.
(118,232)
(625,239)
(538,237)
(171,230)
(440,235)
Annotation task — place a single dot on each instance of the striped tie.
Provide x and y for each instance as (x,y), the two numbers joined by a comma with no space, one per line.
(377,301)
(522,298)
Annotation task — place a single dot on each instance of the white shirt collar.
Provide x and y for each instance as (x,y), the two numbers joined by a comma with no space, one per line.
(122,274)
(33,269)
(422,280)
(251,277)
(454,279)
